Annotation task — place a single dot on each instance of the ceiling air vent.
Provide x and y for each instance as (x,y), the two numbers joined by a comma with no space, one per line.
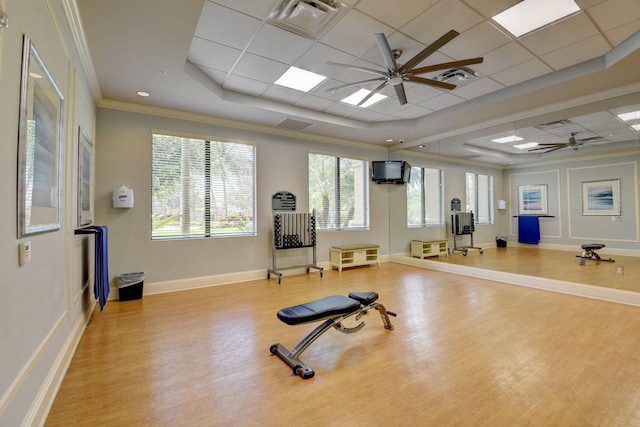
(555,125)
(292,124)
(308,18)
(460,76)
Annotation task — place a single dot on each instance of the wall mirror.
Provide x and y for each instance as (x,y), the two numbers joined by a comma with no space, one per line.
(39,146)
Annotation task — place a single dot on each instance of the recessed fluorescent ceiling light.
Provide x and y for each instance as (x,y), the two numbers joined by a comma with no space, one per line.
(527,145)
(357,97)
(529,15)
(299,79)
(506,139)
(629,116)
(636,127)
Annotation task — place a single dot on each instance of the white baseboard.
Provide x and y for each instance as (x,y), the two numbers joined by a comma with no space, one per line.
(588,291)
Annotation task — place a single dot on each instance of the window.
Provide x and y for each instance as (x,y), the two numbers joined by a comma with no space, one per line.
(480,197)
(201,188)
(425,198)
(338,192)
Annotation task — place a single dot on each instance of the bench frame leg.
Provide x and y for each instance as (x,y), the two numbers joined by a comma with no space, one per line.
(292,358)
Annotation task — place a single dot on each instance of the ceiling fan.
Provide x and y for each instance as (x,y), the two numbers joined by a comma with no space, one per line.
(396,73)
(573,143)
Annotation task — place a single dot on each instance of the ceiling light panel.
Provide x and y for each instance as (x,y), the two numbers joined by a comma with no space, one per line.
(299,79)
(355,98)
(530,15)
(504,140)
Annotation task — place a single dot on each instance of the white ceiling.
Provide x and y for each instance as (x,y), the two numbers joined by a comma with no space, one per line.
(220,58)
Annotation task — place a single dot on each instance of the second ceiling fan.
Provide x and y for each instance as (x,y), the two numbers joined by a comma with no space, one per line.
(396,73)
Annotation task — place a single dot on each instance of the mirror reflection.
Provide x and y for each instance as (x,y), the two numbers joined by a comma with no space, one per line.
(552,196)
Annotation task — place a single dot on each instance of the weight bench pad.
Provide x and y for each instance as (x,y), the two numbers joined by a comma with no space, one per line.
(592,246)
(327,307)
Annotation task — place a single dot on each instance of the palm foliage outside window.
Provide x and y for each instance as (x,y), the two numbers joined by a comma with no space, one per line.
(201,188)
(338,192)
(480,197)
(425,198)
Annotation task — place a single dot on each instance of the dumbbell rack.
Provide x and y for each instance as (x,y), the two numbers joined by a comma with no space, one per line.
(293,231)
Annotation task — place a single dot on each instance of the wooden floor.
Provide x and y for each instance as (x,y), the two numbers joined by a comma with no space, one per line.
(554,264)
(464,352)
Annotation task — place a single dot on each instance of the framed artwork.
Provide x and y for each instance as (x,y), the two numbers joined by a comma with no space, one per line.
(39,146)
(85,179)
(532,200)
(601,197)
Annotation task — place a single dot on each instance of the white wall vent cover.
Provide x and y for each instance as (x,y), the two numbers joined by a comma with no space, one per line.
(308,18)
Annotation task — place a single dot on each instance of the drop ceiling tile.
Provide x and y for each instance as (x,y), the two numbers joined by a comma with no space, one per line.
(257,9)
(284,94)
(354,33)
(504,57)
(244,85)
(442,101)
(223,25)
(563,33)
(390,13)
(475,42)
(439,19)
(275,43)
(522,72)
(314,59)
(367,115)
(212,55)
(619,34)
(314,102)
(217,76)
(412,112)
(613,13)
(259,68)
(342,109)
(489,8)
(576,53)
(478,88)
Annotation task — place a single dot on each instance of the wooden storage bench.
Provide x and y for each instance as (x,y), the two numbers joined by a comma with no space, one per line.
(427,248)
(354,255)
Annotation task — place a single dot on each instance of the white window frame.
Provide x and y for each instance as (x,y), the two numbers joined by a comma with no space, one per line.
(333,216)
(479,190)
(428,192)
(203,200)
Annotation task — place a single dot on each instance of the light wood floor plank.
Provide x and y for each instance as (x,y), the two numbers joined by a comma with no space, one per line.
(464,352)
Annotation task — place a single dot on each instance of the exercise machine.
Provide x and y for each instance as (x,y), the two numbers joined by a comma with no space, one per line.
(333,310)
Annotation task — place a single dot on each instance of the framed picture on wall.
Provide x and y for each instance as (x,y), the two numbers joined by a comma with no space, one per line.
(85,179)
(39,146)
(601,197)
(532,199)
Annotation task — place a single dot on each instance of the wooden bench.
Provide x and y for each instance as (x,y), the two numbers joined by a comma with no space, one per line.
(354,255)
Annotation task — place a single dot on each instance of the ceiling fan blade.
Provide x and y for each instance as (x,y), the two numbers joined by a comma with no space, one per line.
(333,89)
(443,85)
(429,50)
(357,67)
(373,92)
(445,65)
(549,148)
(385,49)
(401,94)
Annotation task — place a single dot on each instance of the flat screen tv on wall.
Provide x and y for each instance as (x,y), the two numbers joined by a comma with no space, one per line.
(390,172)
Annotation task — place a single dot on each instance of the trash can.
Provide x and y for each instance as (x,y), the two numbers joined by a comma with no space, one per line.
(501,242)
(130,286)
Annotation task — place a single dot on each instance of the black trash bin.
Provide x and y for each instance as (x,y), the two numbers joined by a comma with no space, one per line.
(501,242)
(130,286)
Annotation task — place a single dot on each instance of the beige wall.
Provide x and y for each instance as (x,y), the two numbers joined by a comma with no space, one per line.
(43,304)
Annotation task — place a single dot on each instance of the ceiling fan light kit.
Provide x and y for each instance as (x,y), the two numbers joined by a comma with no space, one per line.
(396,74)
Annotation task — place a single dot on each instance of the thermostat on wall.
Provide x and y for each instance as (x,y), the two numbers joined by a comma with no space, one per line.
(123,197)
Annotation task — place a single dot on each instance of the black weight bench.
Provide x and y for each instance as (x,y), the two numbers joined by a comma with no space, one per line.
(334,309)
(589,252)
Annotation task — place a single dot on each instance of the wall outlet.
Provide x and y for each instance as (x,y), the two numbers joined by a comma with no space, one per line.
(620,270)
(25,252)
